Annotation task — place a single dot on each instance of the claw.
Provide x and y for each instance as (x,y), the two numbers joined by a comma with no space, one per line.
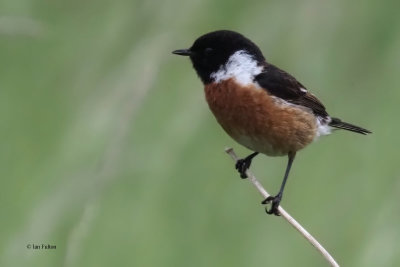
(274,204)
(241,166)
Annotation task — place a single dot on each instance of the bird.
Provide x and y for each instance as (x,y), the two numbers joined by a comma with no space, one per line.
(259,105)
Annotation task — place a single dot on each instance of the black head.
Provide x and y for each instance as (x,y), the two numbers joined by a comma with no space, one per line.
(212,50)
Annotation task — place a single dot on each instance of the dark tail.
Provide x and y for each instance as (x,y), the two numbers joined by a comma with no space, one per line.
(337,123)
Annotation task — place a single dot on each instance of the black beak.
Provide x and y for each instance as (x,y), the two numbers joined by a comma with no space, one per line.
(182,52)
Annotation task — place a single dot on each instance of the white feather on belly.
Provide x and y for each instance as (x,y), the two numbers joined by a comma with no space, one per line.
(258,144)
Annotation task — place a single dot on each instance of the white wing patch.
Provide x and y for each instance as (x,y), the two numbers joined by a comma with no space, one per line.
(323,127)
(241,66)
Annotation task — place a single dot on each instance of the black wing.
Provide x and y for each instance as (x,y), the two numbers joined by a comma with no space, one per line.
(283,85)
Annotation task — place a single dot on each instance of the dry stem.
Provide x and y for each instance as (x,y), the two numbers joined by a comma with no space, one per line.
(286,215)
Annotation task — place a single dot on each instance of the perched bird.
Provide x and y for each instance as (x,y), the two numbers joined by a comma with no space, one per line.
(259,105)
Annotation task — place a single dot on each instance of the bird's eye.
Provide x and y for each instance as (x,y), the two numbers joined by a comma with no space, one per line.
(208,51)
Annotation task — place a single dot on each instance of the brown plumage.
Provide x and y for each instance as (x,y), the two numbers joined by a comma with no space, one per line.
(259,121)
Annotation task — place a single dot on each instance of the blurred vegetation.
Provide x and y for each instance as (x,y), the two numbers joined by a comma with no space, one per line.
(110,153)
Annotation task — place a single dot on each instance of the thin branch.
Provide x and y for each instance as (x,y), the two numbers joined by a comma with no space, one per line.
(286,215)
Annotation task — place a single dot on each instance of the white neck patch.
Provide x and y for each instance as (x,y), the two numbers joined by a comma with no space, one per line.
(241,66)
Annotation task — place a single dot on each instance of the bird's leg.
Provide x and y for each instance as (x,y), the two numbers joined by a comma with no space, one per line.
(277,199)
(243,164)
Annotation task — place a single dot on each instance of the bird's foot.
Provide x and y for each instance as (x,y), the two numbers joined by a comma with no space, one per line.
(242,165)
(274,204)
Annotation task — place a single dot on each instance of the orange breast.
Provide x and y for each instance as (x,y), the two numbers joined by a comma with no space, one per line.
(259,121)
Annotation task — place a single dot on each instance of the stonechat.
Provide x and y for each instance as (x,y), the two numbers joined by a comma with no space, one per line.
(259,105)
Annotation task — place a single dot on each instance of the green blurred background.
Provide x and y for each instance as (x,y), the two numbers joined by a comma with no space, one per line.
(110,153)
